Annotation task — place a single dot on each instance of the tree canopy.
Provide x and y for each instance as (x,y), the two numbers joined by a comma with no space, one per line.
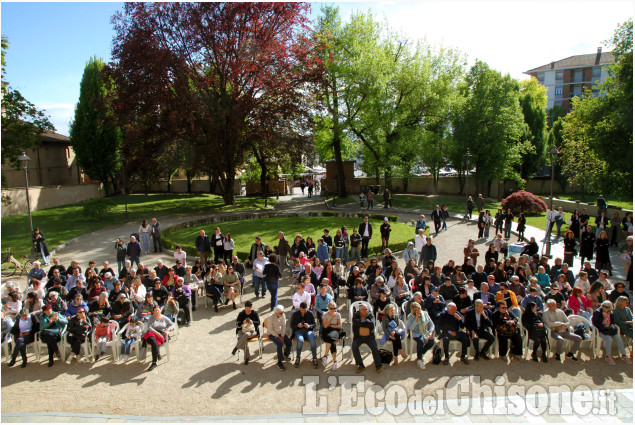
(95,136)
(204,72)
(22,121)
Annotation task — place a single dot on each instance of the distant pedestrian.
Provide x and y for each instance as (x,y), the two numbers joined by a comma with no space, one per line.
(156,235)
(371,198)
(144,231)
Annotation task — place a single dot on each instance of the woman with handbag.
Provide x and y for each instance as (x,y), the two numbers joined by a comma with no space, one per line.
(156,335)
(331,333)
(537,331)
(506,325)
(390,326)
(247,327)
(569,247)
(604,321)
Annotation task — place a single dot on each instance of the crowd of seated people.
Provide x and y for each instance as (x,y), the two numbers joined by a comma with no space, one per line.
(468,303)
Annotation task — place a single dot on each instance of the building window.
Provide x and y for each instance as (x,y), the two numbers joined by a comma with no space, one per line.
(558,91)
(558,103)
(559,75)
(541,77)
(577,76)
(597,71)
(577,90)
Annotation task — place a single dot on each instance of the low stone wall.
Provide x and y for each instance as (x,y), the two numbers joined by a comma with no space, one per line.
(42,197)
(592,209)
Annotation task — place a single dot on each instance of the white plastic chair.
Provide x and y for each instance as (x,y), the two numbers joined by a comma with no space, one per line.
(135,346)
(113,343)
(86,346)
(166,345)
(575,321)
(38,345)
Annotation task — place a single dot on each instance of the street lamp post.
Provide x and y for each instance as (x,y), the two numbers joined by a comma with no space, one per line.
(553,155)
(24,160)
(125,196)
(467,159)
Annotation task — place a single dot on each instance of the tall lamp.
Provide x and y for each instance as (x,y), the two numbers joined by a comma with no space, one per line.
(553,155)
(125,196)
(467,161)
(24,161)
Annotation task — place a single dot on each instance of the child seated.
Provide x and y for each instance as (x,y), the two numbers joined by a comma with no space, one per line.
(297,267)
(132,335)
(103,334)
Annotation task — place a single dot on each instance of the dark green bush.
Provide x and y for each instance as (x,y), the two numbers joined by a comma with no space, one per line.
(96,208)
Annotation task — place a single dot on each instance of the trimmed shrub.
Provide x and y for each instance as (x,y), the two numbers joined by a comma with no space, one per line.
(379,217)
(95,208)
(523,201)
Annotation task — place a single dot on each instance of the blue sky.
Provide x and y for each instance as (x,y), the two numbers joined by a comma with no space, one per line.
(50,43)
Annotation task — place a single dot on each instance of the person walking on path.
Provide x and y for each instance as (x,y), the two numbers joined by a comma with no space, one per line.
(156,235)
(480,203)
(437,215)
(387,198)
(371,198)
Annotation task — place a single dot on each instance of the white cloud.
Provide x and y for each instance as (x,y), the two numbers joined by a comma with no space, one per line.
(60,114)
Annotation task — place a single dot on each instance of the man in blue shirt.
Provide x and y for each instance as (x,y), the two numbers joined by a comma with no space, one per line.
(533,297)
(322,251)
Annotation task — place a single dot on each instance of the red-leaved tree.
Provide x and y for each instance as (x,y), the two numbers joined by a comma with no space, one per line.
(206,73)
(523,201)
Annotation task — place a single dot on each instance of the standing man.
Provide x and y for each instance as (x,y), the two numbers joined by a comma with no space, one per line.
(370,197)
(284,249)
(387,198)
(559,223)
(366,231)
(203,247)
(436,218)
(218,242)
(134,250)
(551,219)
(156,235)
(480,203)
(385,230)
(420,241)
(428,253)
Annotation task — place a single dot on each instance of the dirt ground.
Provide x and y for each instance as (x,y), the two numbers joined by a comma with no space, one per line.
(202,372)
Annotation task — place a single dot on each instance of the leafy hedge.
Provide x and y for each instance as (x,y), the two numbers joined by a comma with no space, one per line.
(379,217)
(95,208)
(523,201)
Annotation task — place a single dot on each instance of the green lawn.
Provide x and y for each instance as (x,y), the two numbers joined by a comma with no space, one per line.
(456,204)
(60,224)
(244,232)
(624,201)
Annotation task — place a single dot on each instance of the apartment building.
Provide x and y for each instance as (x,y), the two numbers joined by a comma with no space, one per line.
(566,78)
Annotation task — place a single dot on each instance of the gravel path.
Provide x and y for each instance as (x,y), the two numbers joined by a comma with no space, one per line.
(201,377)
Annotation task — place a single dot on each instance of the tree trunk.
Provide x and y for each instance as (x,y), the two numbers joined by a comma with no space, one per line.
(377,175)
(435,181)
(405,184)
(337,145)
(106,185)
(263,181)
(227,184)
(188,175)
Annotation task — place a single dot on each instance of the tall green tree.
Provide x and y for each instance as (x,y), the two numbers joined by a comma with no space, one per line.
(488,124)
(602,127)
(533,101)
(95,136)
(22,121)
